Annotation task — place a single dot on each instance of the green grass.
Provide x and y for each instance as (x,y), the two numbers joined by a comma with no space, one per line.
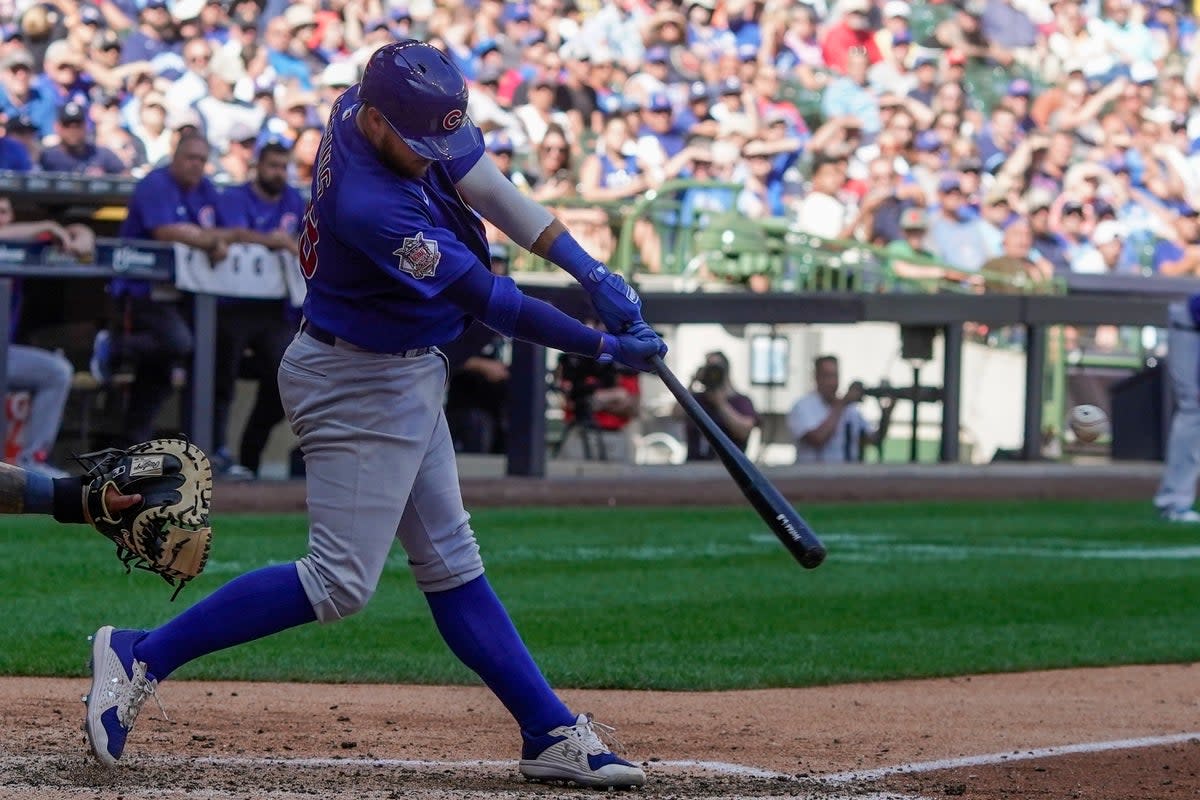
(673,599)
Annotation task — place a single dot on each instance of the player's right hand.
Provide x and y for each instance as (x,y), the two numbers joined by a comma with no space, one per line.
(616,302)
(632,349)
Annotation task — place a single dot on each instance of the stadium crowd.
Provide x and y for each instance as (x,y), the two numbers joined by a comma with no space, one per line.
(1058,135)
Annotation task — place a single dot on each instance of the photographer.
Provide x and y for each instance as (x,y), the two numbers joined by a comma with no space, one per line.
(603,397)
(829,427)
(733,412)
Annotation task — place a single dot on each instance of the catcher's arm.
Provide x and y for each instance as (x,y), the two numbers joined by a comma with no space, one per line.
(20,495)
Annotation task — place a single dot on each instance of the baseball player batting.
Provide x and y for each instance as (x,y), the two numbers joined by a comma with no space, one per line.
(394,255)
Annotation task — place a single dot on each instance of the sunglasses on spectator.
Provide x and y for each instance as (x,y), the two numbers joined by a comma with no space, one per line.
(554,148)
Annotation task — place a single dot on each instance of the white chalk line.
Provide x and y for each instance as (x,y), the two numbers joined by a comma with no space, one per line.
(992,759)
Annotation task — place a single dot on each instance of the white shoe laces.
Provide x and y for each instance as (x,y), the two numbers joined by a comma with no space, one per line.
(594,736)
(132,696)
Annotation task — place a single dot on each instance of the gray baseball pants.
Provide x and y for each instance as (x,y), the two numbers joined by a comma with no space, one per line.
(47,377)
(1177,488)
(380,466)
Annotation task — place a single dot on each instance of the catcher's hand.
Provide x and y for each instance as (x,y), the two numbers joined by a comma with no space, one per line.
(168,531)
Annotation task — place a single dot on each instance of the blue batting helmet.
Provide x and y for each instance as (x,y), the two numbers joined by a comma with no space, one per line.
(423,97)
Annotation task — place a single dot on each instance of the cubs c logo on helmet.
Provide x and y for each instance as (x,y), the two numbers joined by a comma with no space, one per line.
(452,120)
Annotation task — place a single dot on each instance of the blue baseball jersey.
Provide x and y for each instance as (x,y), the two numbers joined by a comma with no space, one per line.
(379,249)
(157,201)
(243,207)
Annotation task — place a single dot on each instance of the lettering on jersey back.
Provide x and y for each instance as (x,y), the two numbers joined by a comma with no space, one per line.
(419,256)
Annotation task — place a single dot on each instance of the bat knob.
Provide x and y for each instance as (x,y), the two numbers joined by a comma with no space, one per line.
(813,558)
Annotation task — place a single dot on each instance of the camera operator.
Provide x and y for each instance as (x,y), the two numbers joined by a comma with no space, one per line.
(733,412)
(829,427)
(601,396)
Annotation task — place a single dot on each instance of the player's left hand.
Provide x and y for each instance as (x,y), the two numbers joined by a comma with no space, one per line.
(617,304)
(633,349)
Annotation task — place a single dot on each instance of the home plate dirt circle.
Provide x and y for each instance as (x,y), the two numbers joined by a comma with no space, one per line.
(1103,734)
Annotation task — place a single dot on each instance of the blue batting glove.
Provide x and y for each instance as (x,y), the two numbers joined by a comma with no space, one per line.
(617,304)
(634,351)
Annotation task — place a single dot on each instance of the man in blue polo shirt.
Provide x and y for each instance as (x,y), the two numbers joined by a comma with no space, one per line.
(265,211)
(74,153)
(175,203)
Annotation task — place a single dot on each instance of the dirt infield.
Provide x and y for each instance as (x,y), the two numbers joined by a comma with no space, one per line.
(1116,734)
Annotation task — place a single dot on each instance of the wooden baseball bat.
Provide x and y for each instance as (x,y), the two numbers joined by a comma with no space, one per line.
(787,525)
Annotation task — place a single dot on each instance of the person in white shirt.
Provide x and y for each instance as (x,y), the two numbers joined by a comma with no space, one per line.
(829,427)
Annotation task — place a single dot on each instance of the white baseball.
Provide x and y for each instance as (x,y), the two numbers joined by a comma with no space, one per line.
(1088,422)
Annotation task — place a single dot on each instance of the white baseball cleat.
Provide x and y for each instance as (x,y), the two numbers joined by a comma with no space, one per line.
(575,753)
(120,686)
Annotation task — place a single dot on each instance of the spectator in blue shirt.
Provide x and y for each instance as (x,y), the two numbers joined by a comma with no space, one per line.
(148,43)
(1180,254)
(74,153)
(851,95)
(19,95)
(175,203)
(14,156)
(266,211)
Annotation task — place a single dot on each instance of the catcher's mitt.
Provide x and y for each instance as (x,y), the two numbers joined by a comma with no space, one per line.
(168,533)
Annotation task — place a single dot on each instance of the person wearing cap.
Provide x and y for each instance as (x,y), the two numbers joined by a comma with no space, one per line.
(1125,33)
(175,203)
(235,162)
(958,242)
(659,139)
(63,74)
(287,54)
(1105,253)
(999,138)
(850,95)
(20,96)
(265,211)
(1005,24)
(220,110)
(537,115)
(911,260)
(74,152)
(896,15)
(147,42)
(852,32)
(499,146)
(1053,246)
(823,211)
(1018,99)
(193,83)
(83,25)
(891,75)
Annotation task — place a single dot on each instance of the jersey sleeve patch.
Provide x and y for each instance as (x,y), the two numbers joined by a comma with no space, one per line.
(418,256)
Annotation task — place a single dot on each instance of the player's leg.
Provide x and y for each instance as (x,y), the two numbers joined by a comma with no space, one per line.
(269,346)
(47,376)
(445,561)
(160,339)
(362,458)
(1177,489)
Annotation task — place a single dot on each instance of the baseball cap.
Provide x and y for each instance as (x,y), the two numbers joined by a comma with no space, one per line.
(401,15)
(1106,232)
(299,16)
(90,15)
(381,24)
(657,55)
(956,58)
(515,12)
(489,74)
(970,165)
(658,101)
(184,10)
(747,52)
(339,74)
(1072,207)
(154,99)
(927,142)
(698,91)
(925,61)
(497,142)
(1038,199)
(482,48)
(896,8)
(856,6)
(903,37)
(1103,208)
(1143,72)
(731,86)
(242,131)
(22,123)
(914,219)
(1185,210)
(17,58)
(498,252)
(153,4)
(949,183)
(1020,88)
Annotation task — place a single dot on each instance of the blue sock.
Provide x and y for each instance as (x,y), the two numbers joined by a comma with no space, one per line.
(39,493)
(477,628)
(250,607)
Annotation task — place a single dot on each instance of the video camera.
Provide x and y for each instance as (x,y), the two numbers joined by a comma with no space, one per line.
(711,376)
